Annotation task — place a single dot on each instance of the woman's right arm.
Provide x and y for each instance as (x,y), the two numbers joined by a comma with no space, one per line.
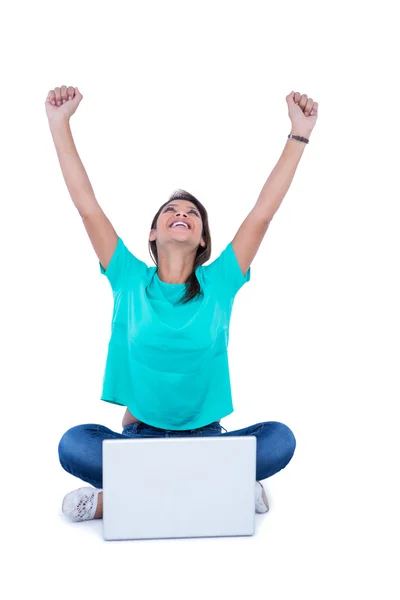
(101,232)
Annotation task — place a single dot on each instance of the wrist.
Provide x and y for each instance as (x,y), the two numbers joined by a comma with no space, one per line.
(300,132)
(60,123)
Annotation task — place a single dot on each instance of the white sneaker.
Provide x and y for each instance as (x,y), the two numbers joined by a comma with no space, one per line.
(261,499)
(81,504)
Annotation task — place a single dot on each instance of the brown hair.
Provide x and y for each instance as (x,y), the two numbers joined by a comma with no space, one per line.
(203,253)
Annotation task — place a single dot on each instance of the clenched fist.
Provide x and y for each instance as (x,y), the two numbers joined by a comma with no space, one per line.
(303,113)
(61,103)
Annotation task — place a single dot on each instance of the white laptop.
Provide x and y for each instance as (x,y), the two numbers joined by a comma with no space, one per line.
(179,487)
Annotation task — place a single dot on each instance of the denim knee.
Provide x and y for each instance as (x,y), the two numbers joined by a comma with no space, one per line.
(289,442)
(67,443)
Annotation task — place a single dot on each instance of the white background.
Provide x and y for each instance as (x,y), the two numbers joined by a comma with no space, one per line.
(192,95)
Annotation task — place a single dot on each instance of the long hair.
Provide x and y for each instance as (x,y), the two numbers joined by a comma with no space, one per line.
(202,255)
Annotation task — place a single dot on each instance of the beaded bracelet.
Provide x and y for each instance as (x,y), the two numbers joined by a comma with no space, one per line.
(298,137)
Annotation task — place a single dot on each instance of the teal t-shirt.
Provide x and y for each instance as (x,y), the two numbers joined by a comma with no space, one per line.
(169,363)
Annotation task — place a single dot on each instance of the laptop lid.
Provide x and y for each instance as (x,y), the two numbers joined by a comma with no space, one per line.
(178,487)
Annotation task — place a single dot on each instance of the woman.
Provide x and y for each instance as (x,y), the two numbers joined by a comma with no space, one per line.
(167,359)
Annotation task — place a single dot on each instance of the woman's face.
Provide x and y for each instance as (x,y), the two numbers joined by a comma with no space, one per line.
(184,211)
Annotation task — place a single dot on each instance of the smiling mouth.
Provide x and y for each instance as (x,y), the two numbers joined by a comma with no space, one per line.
(178,227)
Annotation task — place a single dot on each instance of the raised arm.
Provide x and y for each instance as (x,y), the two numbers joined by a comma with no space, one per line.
(61,103)
(303,113)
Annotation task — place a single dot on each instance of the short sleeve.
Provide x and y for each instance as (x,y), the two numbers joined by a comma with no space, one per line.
(123,267)
(226,272)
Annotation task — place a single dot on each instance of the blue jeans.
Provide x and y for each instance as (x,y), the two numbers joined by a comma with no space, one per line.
(81,448)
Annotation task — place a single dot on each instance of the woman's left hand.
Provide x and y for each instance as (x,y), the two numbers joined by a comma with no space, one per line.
(303,113)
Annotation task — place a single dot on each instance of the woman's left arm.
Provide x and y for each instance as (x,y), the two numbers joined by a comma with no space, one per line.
(303,113)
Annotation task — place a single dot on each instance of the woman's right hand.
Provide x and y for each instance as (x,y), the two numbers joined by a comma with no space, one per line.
(61,103)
